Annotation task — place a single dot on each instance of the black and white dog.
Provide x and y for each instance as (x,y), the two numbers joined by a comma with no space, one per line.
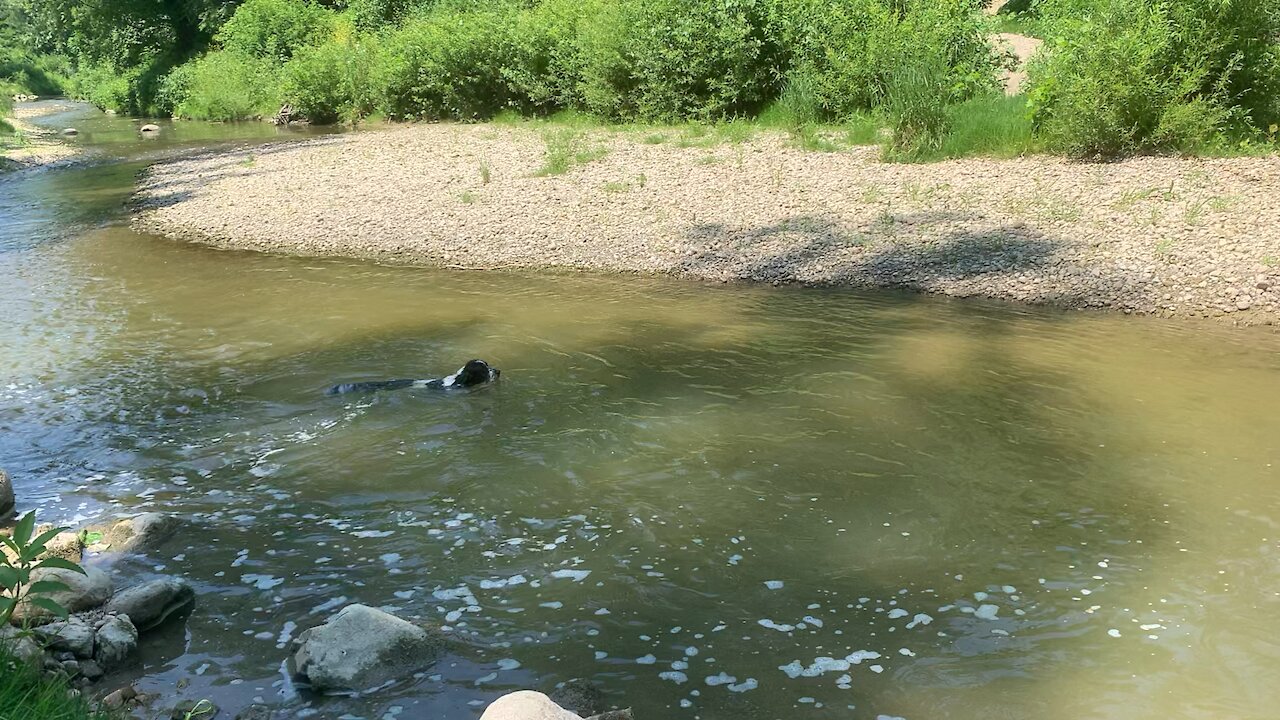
(475,372)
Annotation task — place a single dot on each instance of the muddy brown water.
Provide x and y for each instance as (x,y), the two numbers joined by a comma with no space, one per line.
(712,501)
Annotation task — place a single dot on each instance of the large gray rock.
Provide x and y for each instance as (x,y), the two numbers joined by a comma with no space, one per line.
(116,640)
(141,533)
(73,636)
(151,603)
(526,705)
(6,495)
(579,696)
(83,592)
(361,647)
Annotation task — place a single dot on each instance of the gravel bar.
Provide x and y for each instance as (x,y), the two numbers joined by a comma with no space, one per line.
(1161,236)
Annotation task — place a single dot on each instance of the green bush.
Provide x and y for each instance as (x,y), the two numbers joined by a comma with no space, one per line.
(275,29)
(32,74)
(1131,76)
(225,85)
(330,82)
(26,693)
(679,59)
(545,71)
(844,54)
(451,63)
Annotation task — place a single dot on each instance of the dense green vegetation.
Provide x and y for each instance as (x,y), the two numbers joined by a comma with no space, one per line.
(28,694)
(1118,76)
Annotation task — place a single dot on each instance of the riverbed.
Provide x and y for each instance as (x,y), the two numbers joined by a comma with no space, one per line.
(711,501)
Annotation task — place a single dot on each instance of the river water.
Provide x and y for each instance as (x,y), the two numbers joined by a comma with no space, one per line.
(713,501)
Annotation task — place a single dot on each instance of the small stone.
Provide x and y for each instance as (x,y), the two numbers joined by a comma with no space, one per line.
(117,699)
(116,641)
(150,128)
(70,131)
(141,533)
(91,670)
(70,636)
(194,710)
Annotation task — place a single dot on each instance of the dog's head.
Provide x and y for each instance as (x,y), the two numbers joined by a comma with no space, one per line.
(475,372)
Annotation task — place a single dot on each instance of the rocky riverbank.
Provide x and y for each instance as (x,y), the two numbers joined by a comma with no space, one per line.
(36,146)
(1158,236)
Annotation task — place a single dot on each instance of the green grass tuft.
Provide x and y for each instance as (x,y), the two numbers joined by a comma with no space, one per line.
(27,694)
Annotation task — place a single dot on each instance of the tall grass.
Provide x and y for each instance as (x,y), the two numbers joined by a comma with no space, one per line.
(28,694)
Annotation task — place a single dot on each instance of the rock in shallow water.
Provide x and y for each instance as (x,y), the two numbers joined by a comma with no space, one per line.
(140,534)
(526,705)
(362,647)
(151,603)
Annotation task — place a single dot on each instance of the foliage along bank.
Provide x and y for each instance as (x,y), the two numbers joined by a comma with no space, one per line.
(1117,77)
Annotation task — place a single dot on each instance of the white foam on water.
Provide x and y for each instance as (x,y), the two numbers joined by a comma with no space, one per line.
(774,584)
(896,613)
(780,627)
(508,664)
(554,605)
(744,686)
(1113,633)
(674,676)
(856,658)
(877,669)
(575,575)
(919,619)
(735,559)
(487,678)
(373,533)
(986,612)
(721,679)
(646,660)
(816,622)
(261,582)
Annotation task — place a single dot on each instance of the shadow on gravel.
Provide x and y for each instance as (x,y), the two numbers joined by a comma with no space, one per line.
(912,251)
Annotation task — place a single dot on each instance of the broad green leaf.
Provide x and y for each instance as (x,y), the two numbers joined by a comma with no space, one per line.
(51,606)
(36,546)
(22,531)
(61,564)
(44,587)
(6,609)
(8,578)
(9,543)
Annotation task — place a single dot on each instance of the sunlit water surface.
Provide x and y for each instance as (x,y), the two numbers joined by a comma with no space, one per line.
(713,501)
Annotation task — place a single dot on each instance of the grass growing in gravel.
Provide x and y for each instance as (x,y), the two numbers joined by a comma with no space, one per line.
(27,694)
(568,147)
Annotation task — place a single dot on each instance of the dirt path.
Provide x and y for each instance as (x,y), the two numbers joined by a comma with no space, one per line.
(1024,47)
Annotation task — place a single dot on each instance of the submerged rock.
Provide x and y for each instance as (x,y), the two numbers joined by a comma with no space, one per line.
(83,592)
(194,710)
(116,640)
(70,131)
(361,647)
(6,495)
(579,696)
(526,705)
(151,603)
(141,533)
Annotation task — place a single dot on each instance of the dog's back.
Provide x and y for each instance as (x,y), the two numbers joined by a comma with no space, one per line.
(475,372)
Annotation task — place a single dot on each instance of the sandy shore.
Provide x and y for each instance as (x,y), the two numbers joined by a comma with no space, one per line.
(1152,236)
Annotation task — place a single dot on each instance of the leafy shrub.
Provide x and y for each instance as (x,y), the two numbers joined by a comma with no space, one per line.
(19,559)
(329,82)
(375,14)
(676,59)
(450,63)
(105,87)
(546,67)
(275,29)
(225,85)
(1131,76)
(30,73)
(845,53)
